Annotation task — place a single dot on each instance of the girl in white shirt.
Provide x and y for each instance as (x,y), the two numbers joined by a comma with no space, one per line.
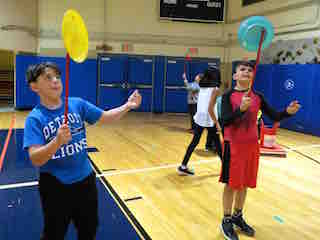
(209,84)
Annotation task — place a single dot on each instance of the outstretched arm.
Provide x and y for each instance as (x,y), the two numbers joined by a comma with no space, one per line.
(111,115)
(293,107)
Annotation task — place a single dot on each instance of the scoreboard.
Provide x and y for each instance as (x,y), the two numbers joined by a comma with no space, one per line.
(193,10)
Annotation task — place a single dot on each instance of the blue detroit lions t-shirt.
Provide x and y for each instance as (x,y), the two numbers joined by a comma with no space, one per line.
(70,163)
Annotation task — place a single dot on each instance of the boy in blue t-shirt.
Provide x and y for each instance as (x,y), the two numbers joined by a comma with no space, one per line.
(67,183)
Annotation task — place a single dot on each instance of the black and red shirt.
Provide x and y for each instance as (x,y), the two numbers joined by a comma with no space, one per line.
(241,127)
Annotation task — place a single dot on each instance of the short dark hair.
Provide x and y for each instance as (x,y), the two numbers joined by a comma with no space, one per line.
(34,71)
(245,63)
(211,78)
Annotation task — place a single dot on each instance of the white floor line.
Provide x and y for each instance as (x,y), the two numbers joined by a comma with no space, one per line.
(18,185)
(292,149)
(133,171)
(303,147)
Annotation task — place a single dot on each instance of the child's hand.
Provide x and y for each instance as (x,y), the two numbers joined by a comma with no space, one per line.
(245,103)
(219,129)
(293,107)
(184,76)
(63,135)
(134,100)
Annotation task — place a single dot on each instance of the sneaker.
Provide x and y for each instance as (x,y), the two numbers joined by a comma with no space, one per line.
(227,229)
(185,171)
(241,224)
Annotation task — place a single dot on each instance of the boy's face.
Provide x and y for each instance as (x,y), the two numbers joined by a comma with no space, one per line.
(243,73)
(48,85)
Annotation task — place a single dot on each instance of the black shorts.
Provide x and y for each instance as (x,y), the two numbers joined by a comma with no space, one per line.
(62,203)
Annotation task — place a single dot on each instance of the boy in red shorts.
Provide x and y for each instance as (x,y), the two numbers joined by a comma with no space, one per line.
(241,149)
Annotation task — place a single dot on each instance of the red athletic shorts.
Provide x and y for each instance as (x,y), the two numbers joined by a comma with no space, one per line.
(240,165)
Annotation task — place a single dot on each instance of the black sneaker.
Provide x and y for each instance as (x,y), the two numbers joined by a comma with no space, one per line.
(227,229)
(185,171)
(241,224)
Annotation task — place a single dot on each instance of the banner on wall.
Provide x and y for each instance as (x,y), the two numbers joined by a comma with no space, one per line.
(302,51)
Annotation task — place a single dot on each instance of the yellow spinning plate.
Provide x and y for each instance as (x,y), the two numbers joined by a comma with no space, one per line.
(75,36)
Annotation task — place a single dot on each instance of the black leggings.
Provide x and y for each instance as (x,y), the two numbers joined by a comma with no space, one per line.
(62,203)
(192,111)
(212,135)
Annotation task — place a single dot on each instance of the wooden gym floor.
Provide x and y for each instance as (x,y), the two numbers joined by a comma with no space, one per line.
(138,156)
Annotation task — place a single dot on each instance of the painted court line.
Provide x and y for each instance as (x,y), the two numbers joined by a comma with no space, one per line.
(133,171)
(35,183)
(6,143)
(18,185)
(303,147)
(296,150)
